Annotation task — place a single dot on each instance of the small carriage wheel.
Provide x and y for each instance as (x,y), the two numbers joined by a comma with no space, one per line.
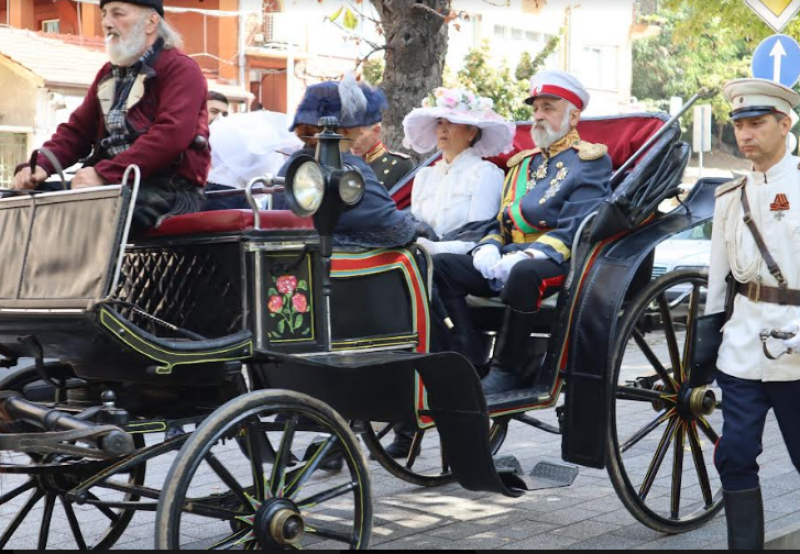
(218,497)
(656,415)
(416,469)
(49,489)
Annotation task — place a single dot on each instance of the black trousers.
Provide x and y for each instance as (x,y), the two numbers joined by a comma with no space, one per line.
(455,277)
(745,407)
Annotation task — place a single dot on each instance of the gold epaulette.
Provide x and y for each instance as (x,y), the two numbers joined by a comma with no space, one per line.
(730,186)
(518,158)
(588,151)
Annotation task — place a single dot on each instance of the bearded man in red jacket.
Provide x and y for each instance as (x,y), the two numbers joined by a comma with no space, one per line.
(146,107)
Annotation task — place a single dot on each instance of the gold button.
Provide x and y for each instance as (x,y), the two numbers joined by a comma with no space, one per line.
(542,224)
(394,162)
(386,171)
(384,160)
(542,201)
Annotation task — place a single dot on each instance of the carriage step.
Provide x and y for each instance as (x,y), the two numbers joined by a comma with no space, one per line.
(552,475)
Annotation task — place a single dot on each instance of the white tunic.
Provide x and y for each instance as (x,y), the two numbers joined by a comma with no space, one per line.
(734,249)
(448,196)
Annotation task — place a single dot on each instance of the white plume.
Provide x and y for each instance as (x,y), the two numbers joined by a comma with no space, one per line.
(353,100)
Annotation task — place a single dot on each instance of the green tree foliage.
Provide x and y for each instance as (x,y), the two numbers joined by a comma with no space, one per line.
(671,64)
(529,66)
(373,70)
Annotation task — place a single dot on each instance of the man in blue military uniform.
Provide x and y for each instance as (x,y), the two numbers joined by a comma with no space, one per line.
(524,256)
(756,241)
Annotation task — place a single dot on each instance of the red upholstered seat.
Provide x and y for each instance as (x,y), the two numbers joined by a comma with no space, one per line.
(228,221)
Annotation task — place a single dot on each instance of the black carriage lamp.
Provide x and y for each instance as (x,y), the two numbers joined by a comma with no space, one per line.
(323,188)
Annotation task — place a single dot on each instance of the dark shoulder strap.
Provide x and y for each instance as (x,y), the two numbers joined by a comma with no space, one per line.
(772,265)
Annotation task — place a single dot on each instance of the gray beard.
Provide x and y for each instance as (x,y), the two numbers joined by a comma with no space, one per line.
(544,136)
(129,50)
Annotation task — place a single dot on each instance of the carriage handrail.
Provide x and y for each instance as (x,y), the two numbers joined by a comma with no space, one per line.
(573,266)
(269,189)
(703,94)
(137,181)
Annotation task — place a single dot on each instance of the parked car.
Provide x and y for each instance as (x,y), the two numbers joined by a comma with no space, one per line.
(688,250)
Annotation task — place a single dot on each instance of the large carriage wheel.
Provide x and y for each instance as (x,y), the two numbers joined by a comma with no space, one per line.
(663,432)
(45,480)
(426,465)
(217,496)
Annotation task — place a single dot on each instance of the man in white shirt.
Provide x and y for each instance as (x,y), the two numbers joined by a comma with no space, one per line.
(756,240)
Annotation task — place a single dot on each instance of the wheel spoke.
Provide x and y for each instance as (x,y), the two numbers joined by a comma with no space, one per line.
(6,498)
(416,449)
(323,497)
(644,395)
(672,339)
(278,480)
(299,478)
(661,453)
(229,480)
(677,470)
(328,534)
(659,368)
(700,466)
(12,528)
(47,520)
(234,540)
(691,328)
(385,431)
(256,461)
(108,512)
(642,433)
(73,524)
(708,431)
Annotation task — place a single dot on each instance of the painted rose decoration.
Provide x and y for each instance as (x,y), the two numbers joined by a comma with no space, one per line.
(289,305)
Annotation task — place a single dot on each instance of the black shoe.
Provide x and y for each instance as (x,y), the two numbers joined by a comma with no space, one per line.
(399,449)
(744,512)
(501,380)
(333,461)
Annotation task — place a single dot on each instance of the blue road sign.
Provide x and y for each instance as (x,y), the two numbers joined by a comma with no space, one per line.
(778,59)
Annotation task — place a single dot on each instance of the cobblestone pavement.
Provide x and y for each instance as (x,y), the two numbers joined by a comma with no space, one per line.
(587,515)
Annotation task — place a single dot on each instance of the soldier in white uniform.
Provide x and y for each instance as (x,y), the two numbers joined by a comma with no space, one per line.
(756,241)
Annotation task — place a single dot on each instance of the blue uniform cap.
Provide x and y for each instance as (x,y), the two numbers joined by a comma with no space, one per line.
(325,100)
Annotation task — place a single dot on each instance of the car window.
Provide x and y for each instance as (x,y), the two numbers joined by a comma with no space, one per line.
(701,232)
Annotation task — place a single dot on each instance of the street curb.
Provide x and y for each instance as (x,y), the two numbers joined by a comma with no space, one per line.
(787,538)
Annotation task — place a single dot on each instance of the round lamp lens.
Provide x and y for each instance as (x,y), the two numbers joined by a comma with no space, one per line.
(351,188)
(309,186)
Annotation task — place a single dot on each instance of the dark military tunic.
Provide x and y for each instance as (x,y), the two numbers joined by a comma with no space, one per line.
(389,167)
(547,196)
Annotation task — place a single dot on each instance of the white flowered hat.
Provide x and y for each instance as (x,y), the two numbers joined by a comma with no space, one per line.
(461,107)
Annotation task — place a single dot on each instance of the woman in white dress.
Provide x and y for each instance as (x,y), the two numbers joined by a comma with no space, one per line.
(452,198)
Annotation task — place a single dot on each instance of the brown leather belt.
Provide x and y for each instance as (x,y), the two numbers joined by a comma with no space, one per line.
(771,295)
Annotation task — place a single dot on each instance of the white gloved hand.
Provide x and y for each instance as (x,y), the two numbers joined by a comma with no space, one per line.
(792,344)
(428,245)
(485,258)
(503,269)
(537,254)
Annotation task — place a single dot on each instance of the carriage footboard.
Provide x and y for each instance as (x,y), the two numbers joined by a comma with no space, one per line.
(379,387)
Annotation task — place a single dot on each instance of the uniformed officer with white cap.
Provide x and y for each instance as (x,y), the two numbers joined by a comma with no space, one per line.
(525,252)
(756,240)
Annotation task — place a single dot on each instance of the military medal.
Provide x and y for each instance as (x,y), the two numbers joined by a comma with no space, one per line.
(541,173)
(780,206)
(555,184)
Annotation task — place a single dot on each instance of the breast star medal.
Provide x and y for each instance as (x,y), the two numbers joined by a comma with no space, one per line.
(555,184)
(541,173)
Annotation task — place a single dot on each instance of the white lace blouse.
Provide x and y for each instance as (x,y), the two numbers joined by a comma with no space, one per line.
(448,196)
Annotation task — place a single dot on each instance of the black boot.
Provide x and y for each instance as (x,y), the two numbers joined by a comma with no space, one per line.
(403,439)
(513,354)
(744,511)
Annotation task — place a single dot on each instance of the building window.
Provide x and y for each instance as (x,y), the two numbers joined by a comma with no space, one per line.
(51,26)
(517,34)
(500,31)
(599,67)
(12,149)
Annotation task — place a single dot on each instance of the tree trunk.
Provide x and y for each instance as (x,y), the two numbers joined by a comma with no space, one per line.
(416,46)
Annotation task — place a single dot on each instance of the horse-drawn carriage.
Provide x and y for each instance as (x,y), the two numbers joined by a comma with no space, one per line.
(232,346)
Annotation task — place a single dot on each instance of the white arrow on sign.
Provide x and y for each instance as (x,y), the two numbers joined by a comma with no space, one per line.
(778,53)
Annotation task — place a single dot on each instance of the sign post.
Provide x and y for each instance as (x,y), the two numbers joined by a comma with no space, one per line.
(702,132)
